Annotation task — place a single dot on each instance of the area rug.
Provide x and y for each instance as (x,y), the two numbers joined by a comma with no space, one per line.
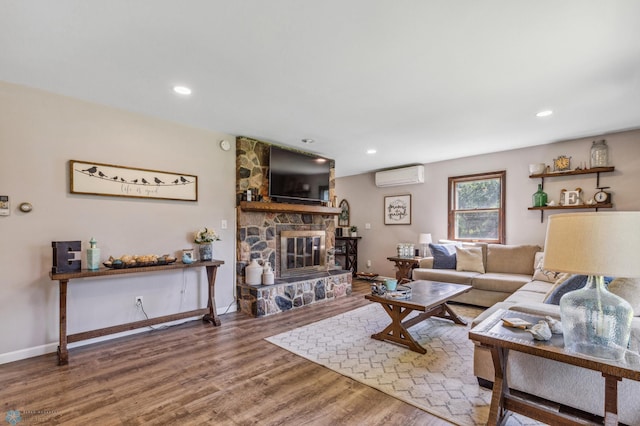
(440,382)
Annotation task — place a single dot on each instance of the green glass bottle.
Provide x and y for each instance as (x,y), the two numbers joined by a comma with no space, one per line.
(540,197)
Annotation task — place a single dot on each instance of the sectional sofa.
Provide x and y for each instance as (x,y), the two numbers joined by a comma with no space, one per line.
(511,277)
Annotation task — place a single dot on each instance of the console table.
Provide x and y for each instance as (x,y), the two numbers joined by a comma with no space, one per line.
(500,340)
(63,279)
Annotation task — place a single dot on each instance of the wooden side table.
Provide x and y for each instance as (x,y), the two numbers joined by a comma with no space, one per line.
(500,340)
(63,278)
(405,265)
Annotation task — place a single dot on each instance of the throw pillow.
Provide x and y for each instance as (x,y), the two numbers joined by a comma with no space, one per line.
(469,259)
(444,256)
(542,274)
(574,282)
(629,290)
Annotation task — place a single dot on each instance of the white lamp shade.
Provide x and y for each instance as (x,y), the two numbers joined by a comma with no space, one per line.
(424,239)
(602,244)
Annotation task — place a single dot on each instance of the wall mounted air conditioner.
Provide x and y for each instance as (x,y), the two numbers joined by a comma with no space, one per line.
(403,176)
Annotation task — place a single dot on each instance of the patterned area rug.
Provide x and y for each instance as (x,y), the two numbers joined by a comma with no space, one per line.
(440,382)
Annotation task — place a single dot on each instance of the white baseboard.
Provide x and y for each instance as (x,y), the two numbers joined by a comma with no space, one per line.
(20,354)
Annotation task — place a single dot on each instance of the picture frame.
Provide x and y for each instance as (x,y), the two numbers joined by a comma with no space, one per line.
(93,178)
(344,216)
(397,209)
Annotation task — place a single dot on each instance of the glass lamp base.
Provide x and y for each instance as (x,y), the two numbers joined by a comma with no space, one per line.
(595,321)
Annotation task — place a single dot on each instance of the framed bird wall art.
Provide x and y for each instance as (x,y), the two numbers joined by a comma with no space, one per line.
(117,181)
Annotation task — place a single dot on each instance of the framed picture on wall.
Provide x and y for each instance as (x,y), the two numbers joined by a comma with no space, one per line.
(397,210)
(118,181)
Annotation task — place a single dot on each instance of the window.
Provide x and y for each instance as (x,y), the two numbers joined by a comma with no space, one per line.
(476,207)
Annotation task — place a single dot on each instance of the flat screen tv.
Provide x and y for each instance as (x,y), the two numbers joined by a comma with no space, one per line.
(298,177)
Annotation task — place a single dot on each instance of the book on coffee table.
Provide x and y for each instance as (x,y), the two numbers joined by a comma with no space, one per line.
(516,323)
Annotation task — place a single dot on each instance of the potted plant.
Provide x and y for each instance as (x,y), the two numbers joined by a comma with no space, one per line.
(204,238)
(354,231)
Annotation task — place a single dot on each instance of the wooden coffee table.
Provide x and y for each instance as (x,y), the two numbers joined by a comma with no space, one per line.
(429,297)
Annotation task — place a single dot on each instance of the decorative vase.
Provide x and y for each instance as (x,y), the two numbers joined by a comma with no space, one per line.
(595,321)
(599,154)
(93,256)
(253,273)
(539,197)
(206,251)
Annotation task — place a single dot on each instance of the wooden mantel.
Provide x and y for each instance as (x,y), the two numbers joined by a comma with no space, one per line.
(259,206)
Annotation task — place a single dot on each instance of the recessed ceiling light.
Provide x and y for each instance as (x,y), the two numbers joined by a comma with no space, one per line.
(182,90)
(371,151)
(545,113)
(308,141)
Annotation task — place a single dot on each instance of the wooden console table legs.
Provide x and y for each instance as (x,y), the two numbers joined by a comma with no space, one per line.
(63,353)
(212,315)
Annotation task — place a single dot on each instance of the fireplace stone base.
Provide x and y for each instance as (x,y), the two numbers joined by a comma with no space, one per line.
(293,293)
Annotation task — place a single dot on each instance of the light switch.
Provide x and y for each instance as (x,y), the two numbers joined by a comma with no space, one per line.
(223,224)
(367,226)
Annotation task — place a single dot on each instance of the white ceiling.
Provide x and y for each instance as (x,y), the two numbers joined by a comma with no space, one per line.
(418,80)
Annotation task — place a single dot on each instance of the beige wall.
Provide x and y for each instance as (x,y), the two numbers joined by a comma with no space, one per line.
(523,226)
(39,133)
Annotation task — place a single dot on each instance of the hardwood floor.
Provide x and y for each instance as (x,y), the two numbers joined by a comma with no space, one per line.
(198,374)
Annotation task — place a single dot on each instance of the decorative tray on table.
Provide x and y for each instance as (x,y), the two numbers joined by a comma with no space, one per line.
(369,276)
(128,261)
(401,293)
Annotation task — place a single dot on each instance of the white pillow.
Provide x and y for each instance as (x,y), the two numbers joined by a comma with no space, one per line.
(629,290)
(541,274)
(469,259)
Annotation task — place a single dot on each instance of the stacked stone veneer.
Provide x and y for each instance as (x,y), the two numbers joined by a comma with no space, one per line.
(259,301)
(258,235)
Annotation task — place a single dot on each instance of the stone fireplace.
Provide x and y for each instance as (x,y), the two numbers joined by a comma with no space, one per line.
(294,239)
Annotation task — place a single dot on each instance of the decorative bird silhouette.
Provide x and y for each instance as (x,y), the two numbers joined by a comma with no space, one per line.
(115,178)
(144,181)
(135,181)
(91,170)
(183,180)
(158,181)
(175,182)
(122,180)
(102,175)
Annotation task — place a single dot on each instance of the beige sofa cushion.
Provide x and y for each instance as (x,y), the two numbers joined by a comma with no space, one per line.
(629,290)
(469,259)
(511,259)
(444,275)
(507,283)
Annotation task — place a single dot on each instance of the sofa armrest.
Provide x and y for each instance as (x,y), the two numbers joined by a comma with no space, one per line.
(426,262)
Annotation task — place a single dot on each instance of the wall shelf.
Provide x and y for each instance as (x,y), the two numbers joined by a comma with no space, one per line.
(260,206)
(582,206)
(595,170)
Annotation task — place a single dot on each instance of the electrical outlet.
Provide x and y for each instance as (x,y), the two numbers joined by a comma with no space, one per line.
(138,301)
(368,264)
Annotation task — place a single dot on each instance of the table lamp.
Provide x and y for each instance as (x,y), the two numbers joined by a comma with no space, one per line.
(424,240)
(595,321)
